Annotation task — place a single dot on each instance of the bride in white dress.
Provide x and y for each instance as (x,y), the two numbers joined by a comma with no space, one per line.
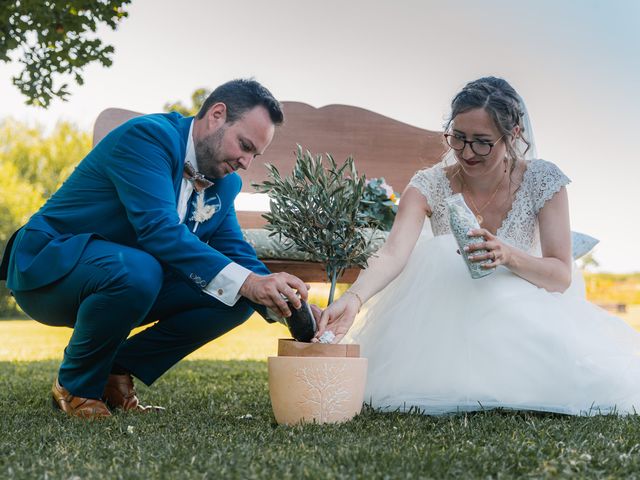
(523,337)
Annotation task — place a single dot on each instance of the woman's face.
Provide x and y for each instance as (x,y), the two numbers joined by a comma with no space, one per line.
(477,126)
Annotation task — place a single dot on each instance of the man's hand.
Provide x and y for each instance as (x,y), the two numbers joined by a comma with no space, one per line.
(274,290)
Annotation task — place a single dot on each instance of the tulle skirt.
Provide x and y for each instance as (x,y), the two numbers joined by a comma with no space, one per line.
(440,342)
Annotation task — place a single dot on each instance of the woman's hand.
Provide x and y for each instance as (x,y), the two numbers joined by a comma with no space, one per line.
(338,317)
(498,252)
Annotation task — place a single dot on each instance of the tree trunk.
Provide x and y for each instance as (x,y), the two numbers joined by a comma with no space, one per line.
(334,279)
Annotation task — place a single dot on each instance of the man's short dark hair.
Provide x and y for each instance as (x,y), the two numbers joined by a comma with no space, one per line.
(240,96)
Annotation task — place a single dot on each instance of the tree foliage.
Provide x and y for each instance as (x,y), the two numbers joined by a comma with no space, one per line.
(197,99)
(318,208)
(55,40)
(32,167)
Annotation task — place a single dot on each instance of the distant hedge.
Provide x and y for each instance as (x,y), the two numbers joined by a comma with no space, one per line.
(33,164)
(613,287)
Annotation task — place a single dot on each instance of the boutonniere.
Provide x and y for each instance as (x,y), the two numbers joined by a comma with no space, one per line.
(201,211)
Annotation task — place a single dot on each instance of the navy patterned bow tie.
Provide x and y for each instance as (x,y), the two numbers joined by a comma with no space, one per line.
(198,180)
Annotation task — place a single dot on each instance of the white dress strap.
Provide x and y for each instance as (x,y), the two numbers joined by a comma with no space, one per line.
(434,185)
(544,181)
(428,184)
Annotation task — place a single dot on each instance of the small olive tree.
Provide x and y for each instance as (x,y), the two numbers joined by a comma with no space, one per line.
(318,209)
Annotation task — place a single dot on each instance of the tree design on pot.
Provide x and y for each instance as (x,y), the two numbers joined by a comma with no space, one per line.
(318,209)
(327,391)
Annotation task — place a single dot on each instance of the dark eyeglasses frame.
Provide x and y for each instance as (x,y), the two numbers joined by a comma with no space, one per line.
(471,144)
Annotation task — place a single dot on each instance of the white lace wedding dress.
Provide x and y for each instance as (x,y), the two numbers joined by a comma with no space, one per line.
(442,342)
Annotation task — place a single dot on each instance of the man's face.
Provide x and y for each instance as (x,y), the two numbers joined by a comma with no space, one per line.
(222,147)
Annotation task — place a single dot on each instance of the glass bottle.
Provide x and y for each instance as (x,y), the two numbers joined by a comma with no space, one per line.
(461,220)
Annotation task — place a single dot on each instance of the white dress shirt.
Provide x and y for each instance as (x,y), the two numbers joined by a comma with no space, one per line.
(226,285)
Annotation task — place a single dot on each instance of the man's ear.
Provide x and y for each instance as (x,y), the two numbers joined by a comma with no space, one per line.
(217,114)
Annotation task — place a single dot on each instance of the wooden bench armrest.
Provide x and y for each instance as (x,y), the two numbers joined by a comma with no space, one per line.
(309,271)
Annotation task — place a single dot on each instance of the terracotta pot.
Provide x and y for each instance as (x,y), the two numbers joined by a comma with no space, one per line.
(319,383)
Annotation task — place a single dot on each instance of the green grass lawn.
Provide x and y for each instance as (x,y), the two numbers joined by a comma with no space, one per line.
(219,424)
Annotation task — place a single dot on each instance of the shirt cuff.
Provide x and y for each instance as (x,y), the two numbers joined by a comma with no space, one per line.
(226,285)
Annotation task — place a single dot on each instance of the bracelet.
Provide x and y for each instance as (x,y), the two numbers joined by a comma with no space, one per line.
(357,296)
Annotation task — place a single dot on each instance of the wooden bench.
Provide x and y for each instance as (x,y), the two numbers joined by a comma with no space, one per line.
(381,146)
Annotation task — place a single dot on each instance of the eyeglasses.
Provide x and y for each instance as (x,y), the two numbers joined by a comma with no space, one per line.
(479,147)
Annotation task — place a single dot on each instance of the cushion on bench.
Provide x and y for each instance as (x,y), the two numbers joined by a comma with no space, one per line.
(273,248)
(581,244)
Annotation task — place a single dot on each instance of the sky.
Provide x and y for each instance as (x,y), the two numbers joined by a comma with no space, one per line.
(576,63)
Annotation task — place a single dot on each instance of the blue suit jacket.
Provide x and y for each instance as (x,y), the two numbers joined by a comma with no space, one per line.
(125,191)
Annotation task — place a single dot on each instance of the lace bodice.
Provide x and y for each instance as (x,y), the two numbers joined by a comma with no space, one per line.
(541,180)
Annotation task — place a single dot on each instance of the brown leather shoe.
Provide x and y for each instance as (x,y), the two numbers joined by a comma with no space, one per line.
(120,393)
(77,406)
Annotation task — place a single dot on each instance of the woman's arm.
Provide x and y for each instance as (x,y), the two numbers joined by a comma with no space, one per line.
(389,261)
(551,272)
(382,268)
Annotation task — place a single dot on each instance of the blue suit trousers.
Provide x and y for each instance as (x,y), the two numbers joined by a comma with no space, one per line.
(113,289)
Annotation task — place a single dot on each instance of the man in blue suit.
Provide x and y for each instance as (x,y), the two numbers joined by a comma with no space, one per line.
(137,235)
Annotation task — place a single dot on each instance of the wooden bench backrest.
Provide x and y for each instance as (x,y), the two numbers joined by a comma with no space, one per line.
(381,146)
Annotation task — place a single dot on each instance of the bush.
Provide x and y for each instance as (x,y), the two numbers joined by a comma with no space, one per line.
(32,166)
